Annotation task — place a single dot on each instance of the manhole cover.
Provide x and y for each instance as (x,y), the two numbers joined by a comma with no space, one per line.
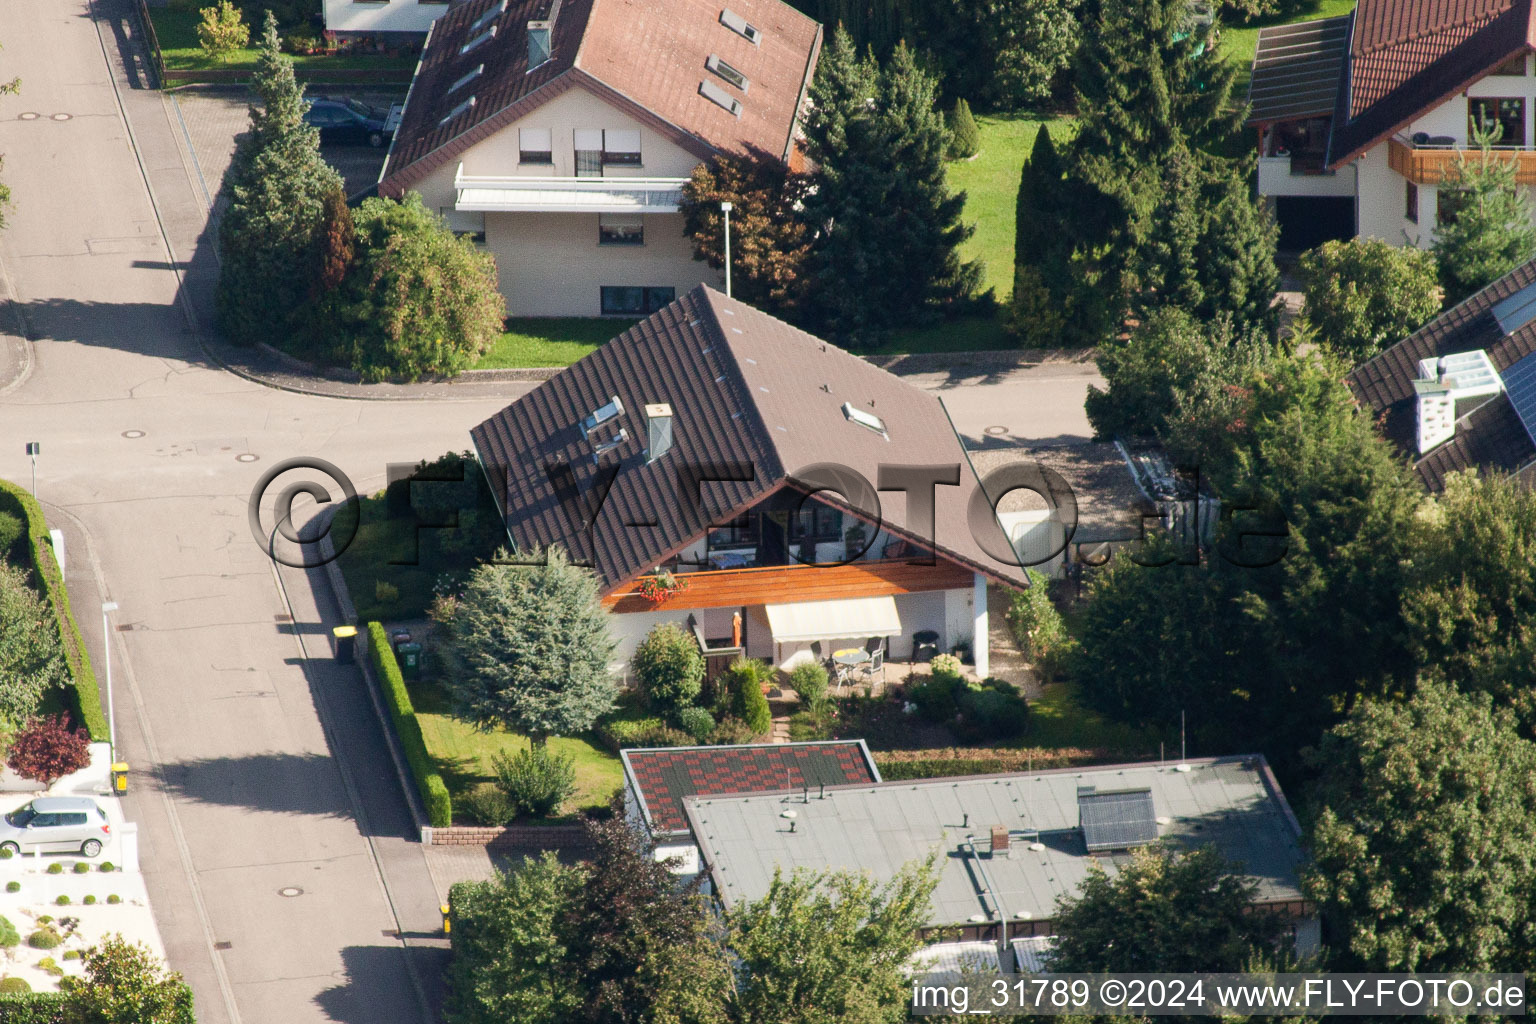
(290,890)
(61,117)
(246,457)
(133,434)
(996,430)
(29,115)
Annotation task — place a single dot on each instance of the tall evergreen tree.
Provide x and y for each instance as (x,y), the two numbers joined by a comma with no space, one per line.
(1041,247)
(269,237)
(890,228)
(1489,230)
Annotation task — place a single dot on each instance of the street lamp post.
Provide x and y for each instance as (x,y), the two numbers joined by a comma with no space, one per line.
(34,449)
(106,644)
(725,208)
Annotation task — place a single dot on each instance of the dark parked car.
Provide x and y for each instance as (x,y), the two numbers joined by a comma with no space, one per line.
(350,122)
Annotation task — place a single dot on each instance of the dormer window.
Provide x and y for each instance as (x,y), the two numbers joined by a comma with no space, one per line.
(456,111)
(483,37)
(736,23)
(725,71)
(718,96)
(461,83)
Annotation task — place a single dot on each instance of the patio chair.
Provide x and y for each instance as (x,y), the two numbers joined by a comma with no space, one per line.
(876,663)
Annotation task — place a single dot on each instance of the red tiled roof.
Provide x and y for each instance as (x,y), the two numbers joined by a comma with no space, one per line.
(663,777)
(646,57)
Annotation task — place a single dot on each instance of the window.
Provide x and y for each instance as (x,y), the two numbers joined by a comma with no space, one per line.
(632,301)
(1411,203)
(736,23)
(589,152)
(74,818)
(740,532)
(483,37)
(868,420)
(461,83)
(486,18)
(1504,117)
(718,96)
(620,229)
(621,146)
(1512,68)
(456,111)
(538,44)
(725,71)
(816,521)
(533,146)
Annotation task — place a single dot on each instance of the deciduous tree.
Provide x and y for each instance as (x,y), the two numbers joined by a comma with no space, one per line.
(222,30)
(47,749)
(1363,295)
(31,655)
(1424,851)
(529,646)
(125,983)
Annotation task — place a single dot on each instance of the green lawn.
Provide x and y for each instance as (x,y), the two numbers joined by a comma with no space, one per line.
(1058,720)
(176,31)
(991,185)
(550,341)
(965,334)
(463,754)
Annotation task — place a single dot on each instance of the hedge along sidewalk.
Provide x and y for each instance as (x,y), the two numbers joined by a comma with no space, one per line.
(434,791)
(32,1008)
(85,695)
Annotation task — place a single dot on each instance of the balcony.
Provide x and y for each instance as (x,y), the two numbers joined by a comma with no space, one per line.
(1436,160)
(514,194)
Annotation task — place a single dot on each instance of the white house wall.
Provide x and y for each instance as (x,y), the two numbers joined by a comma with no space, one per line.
(355,17)
(1382,203)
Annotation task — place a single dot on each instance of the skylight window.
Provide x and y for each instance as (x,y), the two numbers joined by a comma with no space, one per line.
(461,83)
(867,420)
(486,18)
(1516,311)
(717,95)
(736,23)
(725,71)
(456,111)
(483,37)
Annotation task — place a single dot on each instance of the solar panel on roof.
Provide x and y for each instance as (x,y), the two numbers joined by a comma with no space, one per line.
(1520,383)
(1116,820)
(1516,311)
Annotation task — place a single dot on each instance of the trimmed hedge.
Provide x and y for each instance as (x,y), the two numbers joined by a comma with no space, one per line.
(434,791)
(897,765)
(32,1008)
(85,696)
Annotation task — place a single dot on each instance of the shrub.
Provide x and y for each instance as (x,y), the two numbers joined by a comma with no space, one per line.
(13,887)
(44,938)
(696,722)
(434,792)
(805,726)
(486,804)
(47,749)
(82,868)
(9,936)
(809,681)
(730,731)
(535,780)
(669,668)
(11,531)
(385,593)
(1364,294)
(48,965)
(7,854)
(89,900)
(1038,627)
(946,665)
(14,986)
(650,731)
(114,899)
(990,712)
(746,677)
(63,900)
(964,137)
(55,868)
(222,31)
(937,697)
(71,954)
(45,919)
(106,865)
(933,764)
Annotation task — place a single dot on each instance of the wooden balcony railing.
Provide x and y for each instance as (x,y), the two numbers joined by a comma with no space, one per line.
(788,584)
(1435,166)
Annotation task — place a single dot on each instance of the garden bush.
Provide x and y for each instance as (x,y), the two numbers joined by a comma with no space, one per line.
(992,711)
(44,938)
(669,668)
(11,530)
(10,986)
(950,761)
(89,900)
(697,723)
(7,854)
(731,731)
(946,665)
(434,791)
(1038,628)
(13,887)
(82,868)
(48,965)
(809,681)
(114,899)
(626,733)
(63,900)
(55,868)
(71,954)
(747,676)
(937,697)
(487,805)
(45,919)
(9,936)
(535,780)
(806,726)
(106,865)
(964,136)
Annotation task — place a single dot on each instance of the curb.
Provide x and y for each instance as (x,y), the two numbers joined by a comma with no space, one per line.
(17,350)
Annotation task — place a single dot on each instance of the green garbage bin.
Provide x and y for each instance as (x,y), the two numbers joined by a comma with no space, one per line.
(410,660)
(346,644)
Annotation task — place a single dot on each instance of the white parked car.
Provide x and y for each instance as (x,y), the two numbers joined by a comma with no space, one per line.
(56,824)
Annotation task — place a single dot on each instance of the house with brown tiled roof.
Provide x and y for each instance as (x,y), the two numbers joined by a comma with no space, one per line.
(1362,119)
(774,495)
(559,134)
(1460,392)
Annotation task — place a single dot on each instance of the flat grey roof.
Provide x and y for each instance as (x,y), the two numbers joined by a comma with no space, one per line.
(1296,69)
(1232,803)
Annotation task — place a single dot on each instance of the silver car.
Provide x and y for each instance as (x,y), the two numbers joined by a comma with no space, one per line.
(56,824)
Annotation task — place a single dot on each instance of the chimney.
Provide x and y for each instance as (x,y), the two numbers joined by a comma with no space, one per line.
(999,841)
(658,430)
(541,36)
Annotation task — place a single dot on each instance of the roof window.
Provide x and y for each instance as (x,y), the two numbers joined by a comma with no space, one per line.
(461,83)
(725,71)
(483,37)
(736,23)
(456,111)
(867,420)
(717,95)
(486,18)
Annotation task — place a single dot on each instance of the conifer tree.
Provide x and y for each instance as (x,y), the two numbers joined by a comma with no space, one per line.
(1041,248)
(1490,231)
(269,236)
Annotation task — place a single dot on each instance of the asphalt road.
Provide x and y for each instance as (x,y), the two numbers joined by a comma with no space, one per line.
(258,765)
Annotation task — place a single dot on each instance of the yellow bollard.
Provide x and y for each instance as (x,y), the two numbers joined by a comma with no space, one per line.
(447,924)
(120,778)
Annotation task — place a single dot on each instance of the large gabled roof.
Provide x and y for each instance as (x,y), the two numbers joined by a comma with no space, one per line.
(751,397)
(1409,56)
(646,57)
(1490,436)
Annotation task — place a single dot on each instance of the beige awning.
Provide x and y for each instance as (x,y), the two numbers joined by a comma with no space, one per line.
(849,618)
